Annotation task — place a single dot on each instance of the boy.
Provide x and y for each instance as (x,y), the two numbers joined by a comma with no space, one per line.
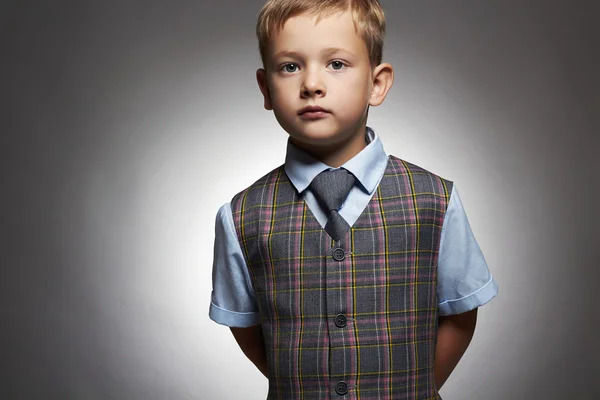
(344,273)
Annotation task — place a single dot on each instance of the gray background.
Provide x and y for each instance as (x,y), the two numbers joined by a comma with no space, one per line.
(125,125)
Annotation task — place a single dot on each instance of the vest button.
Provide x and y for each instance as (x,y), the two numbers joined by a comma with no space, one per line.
(340,320)
(339,254)
(341,388)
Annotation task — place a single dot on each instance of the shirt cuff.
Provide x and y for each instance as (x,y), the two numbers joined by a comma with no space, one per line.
(233,318)
(470,302)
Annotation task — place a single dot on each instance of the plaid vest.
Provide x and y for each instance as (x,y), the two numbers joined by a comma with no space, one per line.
(354,319)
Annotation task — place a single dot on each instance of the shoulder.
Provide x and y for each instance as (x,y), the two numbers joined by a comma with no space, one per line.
(420,175)
(256,189)
(408,167)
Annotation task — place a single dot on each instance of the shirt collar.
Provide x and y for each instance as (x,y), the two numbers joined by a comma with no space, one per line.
(367,166)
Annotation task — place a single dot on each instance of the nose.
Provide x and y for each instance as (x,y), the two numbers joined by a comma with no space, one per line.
(313,84)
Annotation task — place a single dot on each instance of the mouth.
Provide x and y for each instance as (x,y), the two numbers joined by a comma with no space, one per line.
(313,112)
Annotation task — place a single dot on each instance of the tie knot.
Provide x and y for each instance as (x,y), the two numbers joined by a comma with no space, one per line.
(331,188)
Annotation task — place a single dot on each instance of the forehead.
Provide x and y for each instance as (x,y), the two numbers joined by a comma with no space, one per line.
(302,33)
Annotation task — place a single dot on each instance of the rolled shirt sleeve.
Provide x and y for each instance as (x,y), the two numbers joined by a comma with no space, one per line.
(233,301)
(464,280)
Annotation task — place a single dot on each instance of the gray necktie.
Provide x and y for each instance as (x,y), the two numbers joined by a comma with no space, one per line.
(331,189)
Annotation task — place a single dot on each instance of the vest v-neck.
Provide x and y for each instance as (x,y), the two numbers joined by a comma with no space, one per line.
(309,212)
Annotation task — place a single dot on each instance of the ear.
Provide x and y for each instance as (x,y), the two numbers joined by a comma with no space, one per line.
(261,78)
(383,78)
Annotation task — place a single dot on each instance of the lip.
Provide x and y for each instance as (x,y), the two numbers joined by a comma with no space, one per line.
(313,110)
(313,113)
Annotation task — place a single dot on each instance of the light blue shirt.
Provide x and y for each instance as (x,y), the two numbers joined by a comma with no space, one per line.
(464,280)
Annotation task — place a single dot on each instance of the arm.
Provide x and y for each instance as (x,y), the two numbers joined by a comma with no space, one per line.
(464,284)
(233,302)
(252,343)
(454,335)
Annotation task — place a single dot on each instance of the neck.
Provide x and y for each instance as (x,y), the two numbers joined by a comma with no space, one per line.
(337,154)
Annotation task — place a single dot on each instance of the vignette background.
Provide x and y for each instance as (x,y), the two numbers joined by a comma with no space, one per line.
(125,125)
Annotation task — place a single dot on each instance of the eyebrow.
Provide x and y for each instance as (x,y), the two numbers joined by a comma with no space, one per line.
(329,50)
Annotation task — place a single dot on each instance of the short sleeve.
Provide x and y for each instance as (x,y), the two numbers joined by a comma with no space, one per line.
(464,280)
(233,301)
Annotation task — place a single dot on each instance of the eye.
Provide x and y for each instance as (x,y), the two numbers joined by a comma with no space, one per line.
(337,65)
(289,67)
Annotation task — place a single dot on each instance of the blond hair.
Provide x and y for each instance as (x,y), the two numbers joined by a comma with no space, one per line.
(368,16)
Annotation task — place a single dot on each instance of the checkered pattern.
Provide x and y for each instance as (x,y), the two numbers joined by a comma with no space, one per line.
(385,286)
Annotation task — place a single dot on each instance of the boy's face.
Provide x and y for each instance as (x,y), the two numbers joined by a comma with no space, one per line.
(324,65)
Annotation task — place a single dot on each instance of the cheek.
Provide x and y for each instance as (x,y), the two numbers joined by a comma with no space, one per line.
(356,91)
(280,93)
(282,105)
(355,81)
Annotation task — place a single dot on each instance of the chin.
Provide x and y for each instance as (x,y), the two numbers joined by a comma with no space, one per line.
(323,132)
(317,137)
(315,132)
